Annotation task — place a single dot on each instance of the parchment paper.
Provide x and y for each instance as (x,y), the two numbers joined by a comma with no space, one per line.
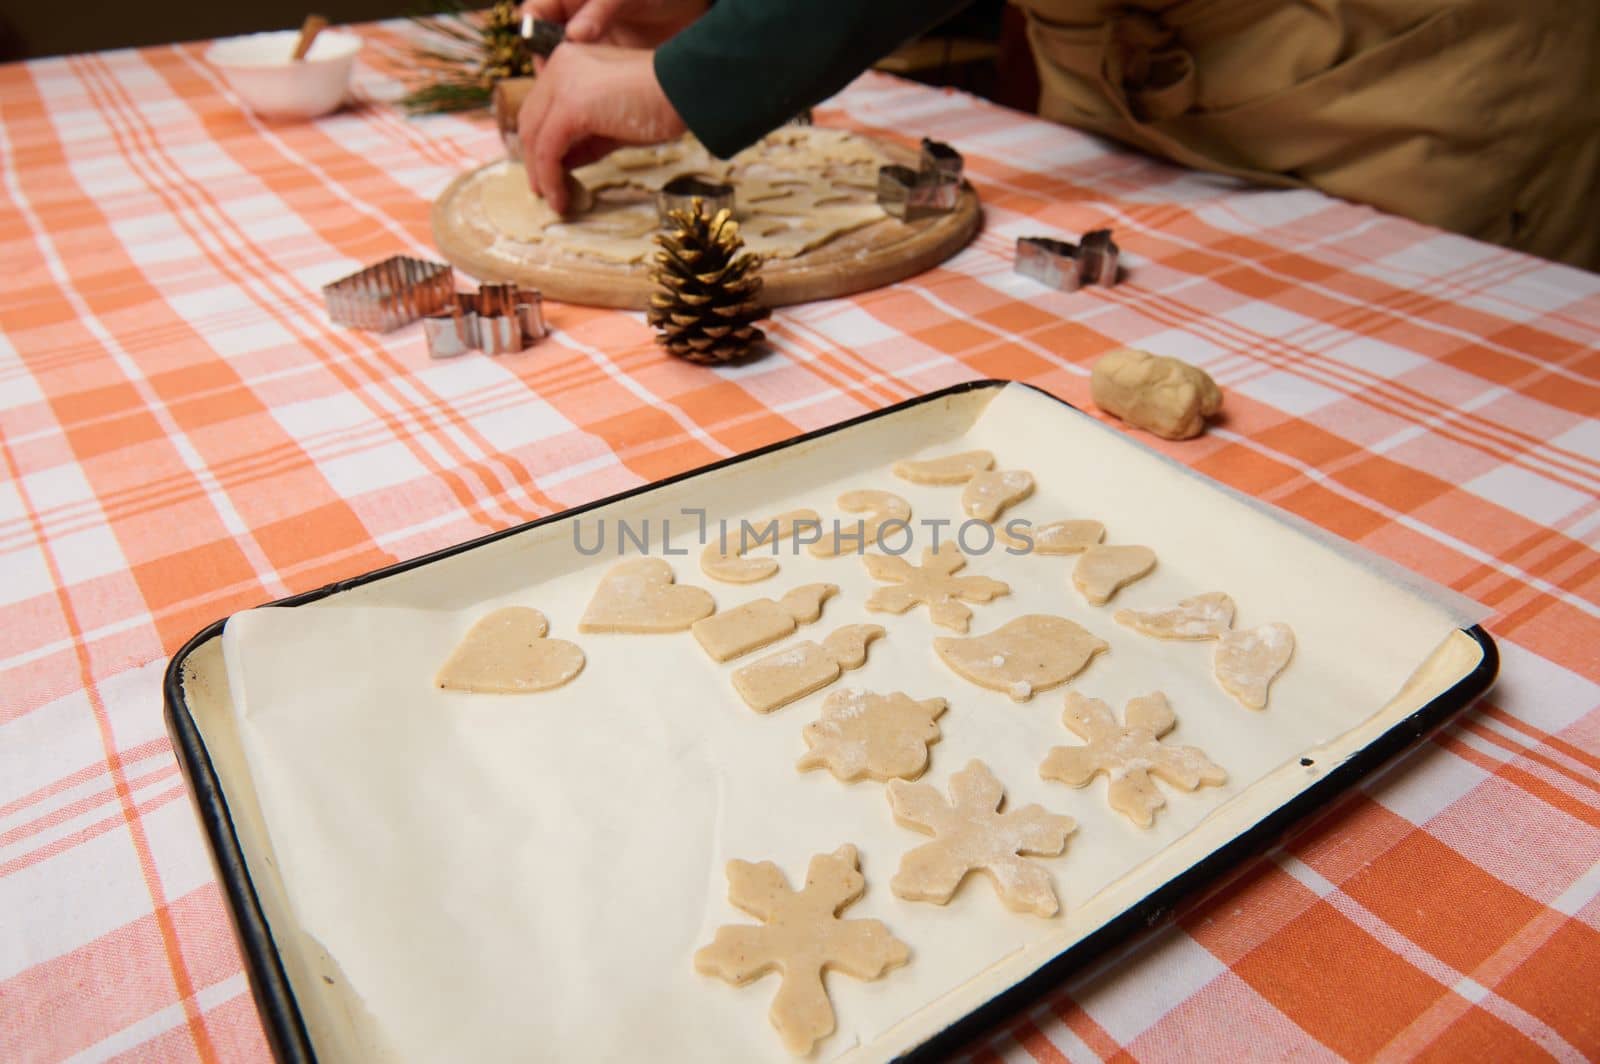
(527,877)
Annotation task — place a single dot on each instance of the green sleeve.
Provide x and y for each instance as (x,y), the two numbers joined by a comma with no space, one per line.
(748,66)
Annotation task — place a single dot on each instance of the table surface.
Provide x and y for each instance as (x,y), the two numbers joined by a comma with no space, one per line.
(184,435)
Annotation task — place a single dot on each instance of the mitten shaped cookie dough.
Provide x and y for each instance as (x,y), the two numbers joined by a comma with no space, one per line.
(1161,395)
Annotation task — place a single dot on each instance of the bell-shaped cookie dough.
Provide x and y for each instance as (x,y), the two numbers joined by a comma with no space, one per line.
(988,494)
(1249,659)
(1102,569)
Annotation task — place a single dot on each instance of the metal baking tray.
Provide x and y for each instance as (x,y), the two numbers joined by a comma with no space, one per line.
(290,981)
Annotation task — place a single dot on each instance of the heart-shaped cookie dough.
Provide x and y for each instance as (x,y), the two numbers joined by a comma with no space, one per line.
(507,653)
(639,595)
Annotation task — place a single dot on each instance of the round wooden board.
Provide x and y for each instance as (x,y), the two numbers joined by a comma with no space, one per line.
(869,257)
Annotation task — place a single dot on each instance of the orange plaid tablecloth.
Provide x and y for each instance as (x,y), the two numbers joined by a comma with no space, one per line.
(184,435)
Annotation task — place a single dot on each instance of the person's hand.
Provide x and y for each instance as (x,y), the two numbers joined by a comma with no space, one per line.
(587,100)
(629,23)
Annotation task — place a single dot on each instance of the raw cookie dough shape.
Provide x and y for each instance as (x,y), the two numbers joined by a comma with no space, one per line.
(951,469)
(638,595)
(971,834)
(881,507)
(1103,569)
(512,208)
(1032,653)
(987,494)
(738,631)
(933,584)
(1205,616)
(507,653)
(1249,659)
(799,669)
(1056,537)
(1164,396)
(800,937)
(1128,754)
(878,736)
(727,561)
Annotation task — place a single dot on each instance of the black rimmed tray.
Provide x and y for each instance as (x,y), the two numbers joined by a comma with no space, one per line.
(278,995)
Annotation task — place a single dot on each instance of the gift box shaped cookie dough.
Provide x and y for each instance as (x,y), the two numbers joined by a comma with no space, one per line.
(510,801)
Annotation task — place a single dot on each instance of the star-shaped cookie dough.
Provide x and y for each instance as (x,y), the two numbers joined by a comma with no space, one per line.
(933,584)
(971,834)
(1128,754)
(800,937)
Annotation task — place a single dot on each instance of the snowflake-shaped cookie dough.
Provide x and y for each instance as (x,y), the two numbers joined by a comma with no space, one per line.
(933,584)
(800,937)
(971,834)
(866,734)
(1129,755)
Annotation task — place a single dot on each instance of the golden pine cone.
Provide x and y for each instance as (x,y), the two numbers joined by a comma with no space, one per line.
(705,304)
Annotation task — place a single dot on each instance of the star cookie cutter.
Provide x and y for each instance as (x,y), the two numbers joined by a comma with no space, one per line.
(497,319)
(680,193)
(389,294)
(1067,266)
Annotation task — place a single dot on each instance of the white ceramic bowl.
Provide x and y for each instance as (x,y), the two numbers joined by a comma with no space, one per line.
(271,84)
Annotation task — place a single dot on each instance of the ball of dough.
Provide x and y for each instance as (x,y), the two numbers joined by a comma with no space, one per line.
(1162,395)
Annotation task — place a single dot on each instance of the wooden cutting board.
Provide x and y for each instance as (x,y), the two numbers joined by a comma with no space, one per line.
(870,257)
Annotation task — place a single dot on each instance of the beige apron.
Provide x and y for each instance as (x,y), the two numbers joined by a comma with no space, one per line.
(1480,116)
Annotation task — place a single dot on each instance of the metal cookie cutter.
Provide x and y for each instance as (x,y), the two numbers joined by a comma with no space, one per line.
(933,188)
(1066,266)
(939,156)
(680,193)
(909,195)
(496,319)
(389,294)
(540,36)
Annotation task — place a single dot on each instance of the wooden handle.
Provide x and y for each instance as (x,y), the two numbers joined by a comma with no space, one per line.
(313,25)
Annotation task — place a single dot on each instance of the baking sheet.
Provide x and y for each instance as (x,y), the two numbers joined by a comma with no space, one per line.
(482,874)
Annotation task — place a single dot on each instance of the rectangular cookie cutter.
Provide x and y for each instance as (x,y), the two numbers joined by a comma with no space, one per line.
(497,319)
(1067,266)
(389,294)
